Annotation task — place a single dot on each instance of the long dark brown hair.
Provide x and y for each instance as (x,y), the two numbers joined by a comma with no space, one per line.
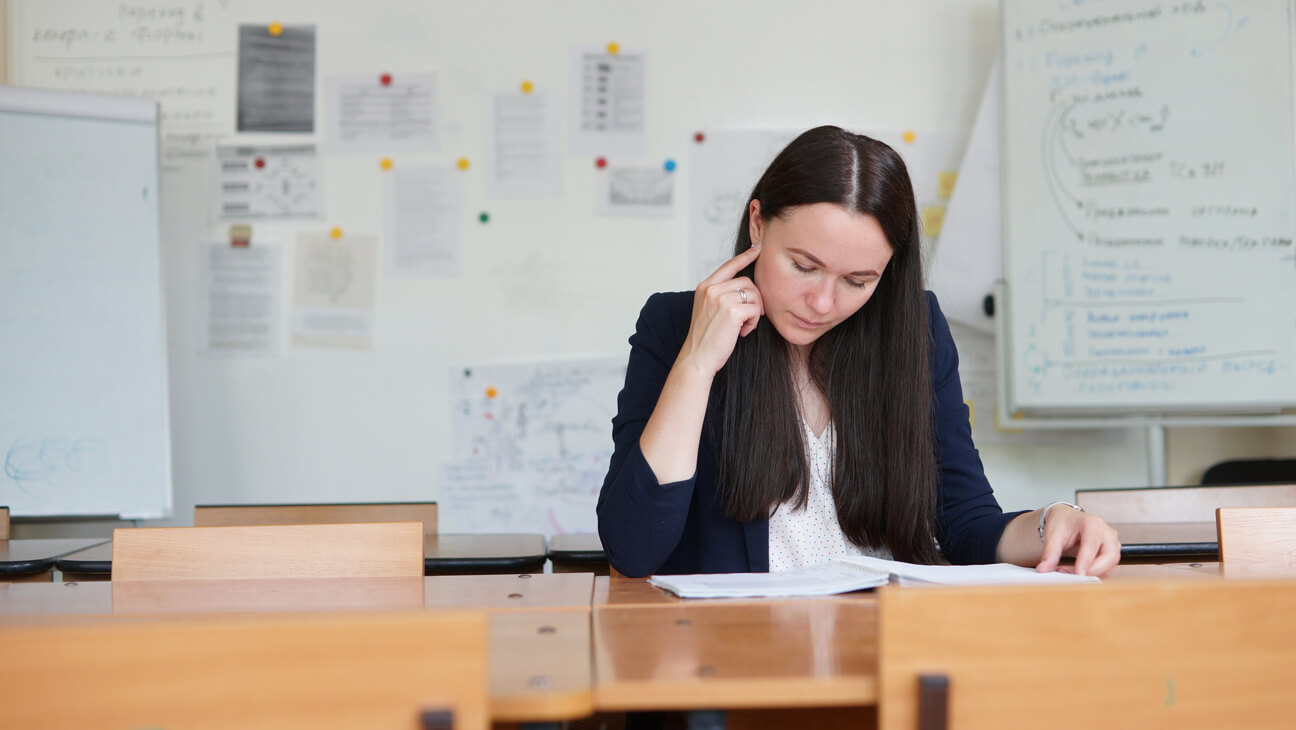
(874,368)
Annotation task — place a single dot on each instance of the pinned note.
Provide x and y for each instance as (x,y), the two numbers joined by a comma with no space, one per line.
(242,300)
(423,222)
(365,113)
(647,192)
(276,78)
(258,183)
(529,445)
(524,157)
(334,290)
(608,103)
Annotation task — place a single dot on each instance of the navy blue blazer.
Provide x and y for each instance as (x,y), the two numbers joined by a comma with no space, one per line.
(678,527)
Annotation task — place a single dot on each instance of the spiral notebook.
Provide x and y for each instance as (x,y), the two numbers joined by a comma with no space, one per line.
(843,575)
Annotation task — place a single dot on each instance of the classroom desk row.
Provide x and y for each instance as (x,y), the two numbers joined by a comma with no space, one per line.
(91,558)
(564,646)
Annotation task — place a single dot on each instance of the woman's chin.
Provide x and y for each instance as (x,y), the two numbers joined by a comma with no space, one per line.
(794,334)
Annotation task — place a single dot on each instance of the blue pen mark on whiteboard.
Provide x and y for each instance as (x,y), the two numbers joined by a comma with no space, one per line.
(36,459)
(1228,30)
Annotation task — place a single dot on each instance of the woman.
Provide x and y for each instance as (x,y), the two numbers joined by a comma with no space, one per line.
(804,401)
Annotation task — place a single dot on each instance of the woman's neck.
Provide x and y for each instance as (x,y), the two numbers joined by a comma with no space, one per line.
(811,402)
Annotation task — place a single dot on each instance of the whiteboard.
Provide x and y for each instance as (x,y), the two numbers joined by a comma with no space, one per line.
(1148,192)
(84,426)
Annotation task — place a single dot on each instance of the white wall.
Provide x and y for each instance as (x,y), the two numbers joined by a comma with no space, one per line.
(545,278)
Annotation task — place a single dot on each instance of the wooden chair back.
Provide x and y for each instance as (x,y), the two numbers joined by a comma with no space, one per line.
(399,669)
(1257,541)
(228,515)
(365,550)
(1165,654)
(1157,505)
(4,523)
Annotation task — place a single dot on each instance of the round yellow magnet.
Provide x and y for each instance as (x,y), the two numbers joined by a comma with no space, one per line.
(335,233)
(276,29)
(527,87)
(462,163)
(491,392)
(909,136)
(386,163)
(613,49)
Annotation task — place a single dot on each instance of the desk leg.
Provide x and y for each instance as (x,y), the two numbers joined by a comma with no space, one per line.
(707,720)
(933,702)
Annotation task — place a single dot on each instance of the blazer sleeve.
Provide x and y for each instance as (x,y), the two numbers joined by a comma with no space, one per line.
(969,521)
(639,520)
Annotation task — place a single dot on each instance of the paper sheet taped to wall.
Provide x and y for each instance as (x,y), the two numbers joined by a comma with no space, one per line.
(532,445)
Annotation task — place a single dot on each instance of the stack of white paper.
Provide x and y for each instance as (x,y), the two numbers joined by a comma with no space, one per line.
(843,575)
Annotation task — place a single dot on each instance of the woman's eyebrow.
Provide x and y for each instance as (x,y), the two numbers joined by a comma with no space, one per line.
(817,262)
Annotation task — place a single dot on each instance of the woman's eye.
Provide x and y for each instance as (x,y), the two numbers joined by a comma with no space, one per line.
(857,284)
(801,268)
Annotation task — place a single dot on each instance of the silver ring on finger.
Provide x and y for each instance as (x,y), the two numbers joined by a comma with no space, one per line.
(742,296)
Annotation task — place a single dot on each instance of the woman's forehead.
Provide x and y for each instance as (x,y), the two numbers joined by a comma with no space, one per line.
(837,237)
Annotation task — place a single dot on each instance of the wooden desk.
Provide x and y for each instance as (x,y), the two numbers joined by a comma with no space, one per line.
(539,626)
(317,670)
(707,655)
(623,592)
(1151,571)
(563,592)
(578,553)
(34,559)
(442,555)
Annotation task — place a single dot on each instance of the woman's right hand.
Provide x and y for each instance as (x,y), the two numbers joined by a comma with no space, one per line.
(725,307)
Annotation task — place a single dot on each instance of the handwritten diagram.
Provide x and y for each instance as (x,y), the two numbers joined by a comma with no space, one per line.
(532,442)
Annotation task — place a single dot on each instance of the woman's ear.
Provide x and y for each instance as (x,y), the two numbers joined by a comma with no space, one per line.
(755,224)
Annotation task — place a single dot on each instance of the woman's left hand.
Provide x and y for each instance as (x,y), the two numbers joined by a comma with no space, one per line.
(1090,540)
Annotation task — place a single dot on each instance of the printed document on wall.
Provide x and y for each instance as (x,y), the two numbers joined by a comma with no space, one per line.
(531,445)
(607,93)
(242,299)
(635,192)
(424,221)
(381,113)
(276,79)
(266,182)
(524,159)
(334,289)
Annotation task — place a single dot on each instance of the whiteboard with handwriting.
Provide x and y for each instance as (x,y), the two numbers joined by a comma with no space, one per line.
(1149,205)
